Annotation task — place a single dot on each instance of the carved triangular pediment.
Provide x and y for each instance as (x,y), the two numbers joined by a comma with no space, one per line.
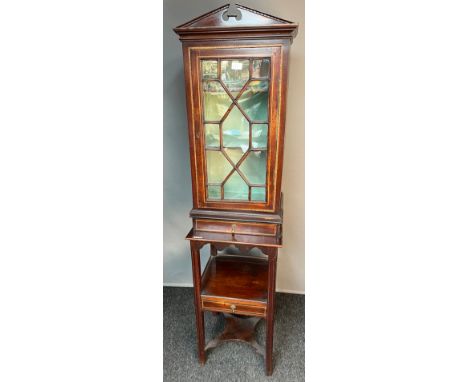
(233,18)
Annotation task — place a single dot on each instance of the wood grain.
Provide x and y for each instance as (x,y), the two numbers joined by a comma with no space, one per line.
(242,284)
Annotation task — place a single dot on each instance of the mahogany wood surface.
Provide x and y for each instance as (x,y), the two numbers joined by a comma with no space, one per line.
(236,277)
(248,228)
(270,322)
(253,24)
(236,284)
(243,285)
(198,306)
(235,306)
(199,213)
(236,239)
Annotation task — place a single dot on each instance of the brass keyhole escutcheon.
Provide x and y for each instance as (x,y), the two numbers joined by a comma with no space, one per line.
(233,308)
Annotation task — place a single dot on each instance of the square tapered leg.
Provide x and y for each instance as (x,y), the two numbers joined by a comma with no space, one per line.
(200,319)
(272,256)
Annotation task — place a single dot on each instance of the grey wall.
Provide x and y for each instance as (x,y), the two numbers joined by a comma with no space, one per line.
(177,182)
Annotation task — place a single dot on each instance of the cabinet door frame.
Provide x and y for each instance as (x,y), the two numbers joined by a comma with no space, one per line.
(275,124)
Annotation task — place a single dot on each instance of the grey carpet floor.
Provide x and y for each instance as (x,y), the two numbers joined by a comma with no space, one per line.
(231,361)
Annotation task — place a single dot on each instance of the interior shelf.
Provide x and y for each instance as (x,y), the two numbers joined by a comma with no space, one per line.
(237,277)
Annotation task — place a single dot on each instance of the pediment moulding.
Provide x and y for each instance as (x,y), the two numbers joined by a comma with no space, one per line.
(237,21)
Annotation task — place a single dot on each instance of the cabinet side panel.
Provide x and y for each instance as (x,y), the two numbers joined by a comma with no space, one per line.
(282,121)
(190,120)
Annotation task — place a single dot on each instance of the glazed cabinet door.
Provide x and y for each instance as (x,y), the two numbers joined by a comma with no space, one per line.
(236,126)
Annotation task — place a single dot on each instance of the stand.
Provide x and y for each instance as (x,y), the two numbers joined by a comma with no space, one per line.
(240,285)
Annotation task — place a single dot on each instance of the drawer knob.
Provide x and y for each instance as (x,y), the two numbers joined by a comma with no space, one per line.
(233,308)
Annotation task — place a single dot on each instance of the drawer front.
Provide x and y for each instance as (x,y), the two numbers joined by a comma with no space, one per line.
(236,307)
(236,227)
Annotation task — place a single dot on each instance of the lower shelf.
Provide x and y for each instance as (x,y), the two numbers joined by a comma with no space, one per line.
(235,284)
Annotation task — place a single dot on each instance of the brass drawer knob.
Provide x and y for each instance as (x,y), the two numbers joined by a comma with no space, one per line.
(233,308)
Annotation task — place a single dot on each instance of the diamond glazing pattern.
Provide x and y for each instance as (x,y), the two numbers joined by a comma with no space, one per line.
(235,116)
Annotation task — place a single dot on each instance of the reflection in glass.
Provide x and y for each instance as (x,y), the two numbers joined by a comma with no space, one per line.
(214,192)
(236,130)
(210,69)
(235,154)
(254,167)
(217,166)
(261,68)
(234,74)
(241,135)
(216,101)
(259,136)
(211,135)
(254,101)
(258,194)
(235,188)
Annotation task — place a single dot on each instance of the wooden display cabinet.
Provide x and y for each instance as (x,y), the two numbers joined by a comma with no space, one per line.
(236,68)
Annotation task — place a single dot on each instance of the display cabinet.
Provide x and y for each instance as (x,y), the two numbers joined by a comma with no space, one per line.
(236,68)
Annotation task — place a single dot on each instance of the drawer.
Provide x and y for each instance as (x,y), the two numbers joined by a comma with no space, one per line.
(263,229)
(248,308)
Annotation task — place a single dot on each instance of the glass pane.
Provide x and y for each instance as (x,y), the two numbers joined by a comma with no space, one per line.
(261,68)
(243,130)
(234,154)
(254,101)
(210,69)
(254,167)
(217,166)
(235,188)
(211,135)
(236,130)
(258,194)
(259,136)
(214,192)
(234,74)
(216,101)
